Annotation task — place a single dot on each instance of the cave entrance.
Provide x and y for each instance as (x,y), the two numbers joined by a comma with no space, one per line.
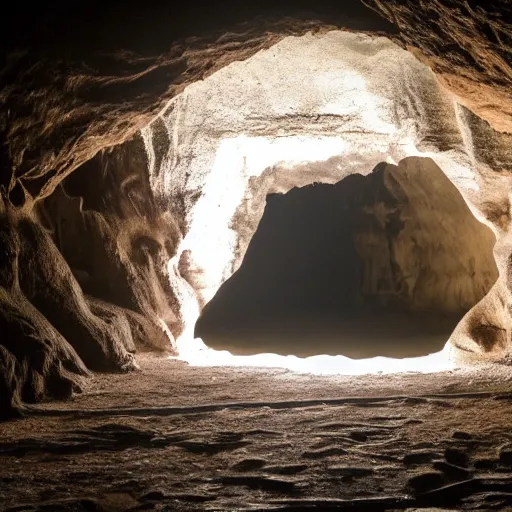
(379,265)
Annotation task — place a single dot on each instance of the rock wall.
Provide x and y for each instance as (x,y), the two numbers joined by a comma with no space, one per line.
(50,330)
(89,93)
(467,45)
(116,239)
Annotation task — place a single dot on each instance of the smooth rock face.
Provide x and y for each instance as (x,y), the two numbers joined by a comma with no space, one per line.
(66,101)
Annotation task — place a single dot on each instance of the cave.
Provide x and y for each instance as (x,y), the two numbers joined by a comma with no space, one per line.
(156,162)
(380,265)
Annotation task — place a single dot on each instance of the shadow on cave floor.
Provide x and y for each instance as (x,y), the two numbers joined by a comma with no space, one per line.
(357,336)
(379,265)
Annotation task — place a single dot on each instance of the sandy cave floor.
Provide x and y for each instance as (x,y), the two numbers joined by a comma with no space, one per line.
(180,438)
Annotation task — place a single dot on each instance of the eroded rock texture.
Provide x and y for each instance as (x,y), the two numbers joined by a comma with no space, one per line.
(116,239)
(467,44)
(419,238)
(115,256)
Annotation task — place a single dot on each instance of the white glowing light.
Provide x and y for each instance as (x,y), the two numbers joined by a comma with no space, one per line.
(198,354)
(210,238)
(346,94)
(189,309)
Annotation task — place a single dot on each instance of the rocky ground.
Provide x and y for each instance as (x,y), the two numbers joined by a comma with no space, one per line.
(181,438)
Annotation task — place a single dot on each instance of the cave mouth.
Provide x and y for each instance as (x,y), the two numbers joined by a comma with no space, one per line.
(380,265)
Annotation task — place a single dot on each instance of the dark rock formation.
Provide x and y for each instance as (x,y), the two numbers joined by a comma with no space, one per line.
(362,267)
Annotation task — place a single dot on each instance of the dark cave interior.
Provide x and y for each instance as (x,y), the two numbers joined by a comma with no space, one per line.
(139,146)
(382,264)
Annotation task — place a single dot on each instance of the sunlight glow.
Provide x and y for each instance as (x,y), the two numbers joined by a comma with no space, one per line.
(211,239)
(198,354)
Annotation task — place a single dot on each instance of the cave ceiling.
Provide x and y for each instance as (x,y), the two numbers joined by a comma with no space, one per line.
(75,81)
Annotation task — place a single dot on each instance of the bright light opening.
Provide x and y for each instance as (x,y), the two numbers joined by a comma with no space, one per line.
(311,109)
(200,355)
